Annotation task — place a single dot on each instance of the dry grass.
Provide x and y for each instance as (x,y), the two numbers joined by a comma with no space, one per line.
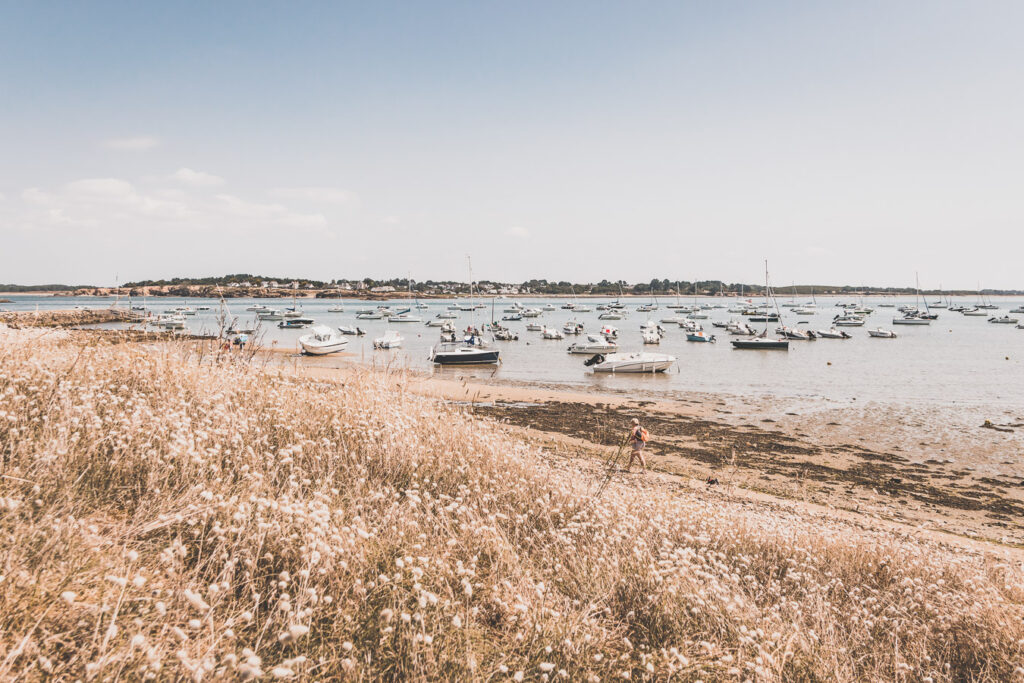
(167,519)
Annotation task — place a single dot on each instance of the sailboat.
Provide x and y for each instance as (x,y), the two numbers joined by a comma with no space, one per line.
(761,341)
(914,316)
(471,351)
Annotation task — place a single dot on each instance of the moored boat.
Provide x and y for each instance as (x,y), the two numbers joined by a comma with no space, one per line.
(321,341)
(620,363)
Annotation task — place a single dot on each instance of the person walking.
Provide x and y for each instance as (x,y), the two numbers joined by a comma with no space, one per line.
(637,441)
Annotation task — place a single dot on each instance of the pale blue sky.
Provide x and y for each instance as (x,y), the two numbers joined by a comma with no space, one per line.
(846,142)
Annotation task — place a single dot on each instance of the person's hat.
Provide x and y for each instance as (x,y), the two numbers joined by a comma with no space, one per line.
(636,421)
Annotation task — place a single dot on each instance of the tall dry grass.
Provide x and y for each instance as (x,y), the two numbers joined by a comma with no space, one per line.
(167,519)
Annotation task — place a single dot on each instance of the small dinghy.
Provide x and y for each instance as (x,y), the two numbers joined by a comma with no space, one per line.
(351,329)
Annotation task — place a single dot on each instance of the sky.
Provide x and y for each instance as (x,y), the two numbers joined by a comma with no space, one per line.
(846,143)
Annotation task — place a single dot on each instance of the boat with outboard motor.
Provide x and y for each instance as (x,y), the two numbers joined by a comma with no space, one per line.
(833,333)
(390,340)
(594,343)
(352,330)
(1004,320)
(882,333)
(321,341)
(636,363)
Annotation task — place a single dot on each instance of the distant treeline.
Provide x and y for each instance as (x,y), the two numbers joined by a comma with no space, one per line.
(656,287)
(42,288)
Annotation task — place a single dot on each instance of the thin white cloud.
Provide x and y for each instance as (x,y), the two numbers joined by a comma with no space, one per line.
(114,205)
(517,231)
(138,143)
(187,176)
(318,194)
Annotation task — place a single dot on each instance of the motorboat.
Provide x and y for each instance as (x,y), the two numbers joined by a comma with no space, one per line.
(292,312)
(534,327)
(595,343)
(793,333)
(295,323)
(573,327)
(531,313)
(336,309)
(848,321)
(641,362)
(271,314)
(369,315)
(390,340)
(761,344)
(447,315)
(610,315)
(1019,309)
(514,317)
(1003,320)
(650,335)
(699,337)
(690,325)
(202,308)
(405,317)
(549,307)
(516,307)
(609,332)
(352,330)
(741,329)
(803,310)
(321,341)
(169,322)
(436,322)
(975,312)
(455,353)
(582,308)
(764,318)
(882,333)
(552,333)
(911,320)
(833,333)
(503,333)
(257,308)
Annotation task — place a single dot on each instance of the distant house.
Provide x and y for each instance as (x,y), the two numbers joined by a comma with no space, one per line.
(383,290)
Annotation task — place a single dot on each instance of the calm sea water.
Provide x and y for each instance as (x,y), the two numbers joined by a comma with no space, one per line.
(955,360)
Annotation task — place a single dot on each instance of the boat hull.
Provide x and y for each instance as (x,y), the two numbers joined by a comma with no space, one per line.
(761,344)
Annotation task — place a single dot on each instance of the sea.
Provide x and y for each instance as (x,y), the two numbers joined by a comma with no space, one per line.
(956,360)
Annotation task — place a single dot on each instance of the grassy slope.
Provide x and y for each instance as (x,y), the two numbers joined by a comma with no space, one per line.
(162,518)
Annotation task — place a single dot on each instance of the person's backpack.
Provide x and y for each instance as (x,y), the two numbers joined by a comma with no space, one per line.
(644,435)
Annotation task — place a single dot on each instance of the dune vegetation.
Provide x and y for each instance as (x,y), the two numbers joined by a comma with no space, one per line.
(164,517)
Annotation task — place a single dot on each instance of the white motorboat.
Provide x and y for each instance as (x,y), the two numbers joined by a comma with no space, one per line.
(405,318)
(976,312)
(573,327)
(321,341)
(271,314)
(610,315)
(336,309)
(803,310)
(531,313)
(257,307)
(699,336)
(833,333)
(1003,320)
(351,329)
(437,322)
(739,328)
(650,335)
(882,333)
(610,332)
(447,315)
(582,308)
(390,340)
(848,321)
(551,333)
(793,333)
(911,320)
(549,307)
(369,315)
(1019,309)
(594,344)
(641,362)
(534,327)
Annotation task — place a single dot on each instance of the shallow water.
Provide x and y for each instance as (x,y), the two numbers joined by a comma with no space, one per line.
(954,361)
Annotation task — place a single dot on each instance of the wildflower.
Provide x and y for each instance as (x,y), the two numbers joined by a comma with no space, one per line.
(68,597)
